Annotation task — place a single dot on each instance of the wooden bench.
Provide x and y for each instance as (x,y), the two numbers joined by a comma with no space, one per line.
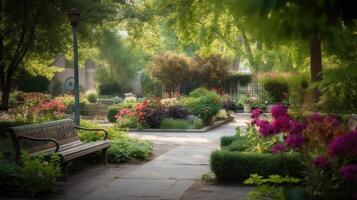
(59,137)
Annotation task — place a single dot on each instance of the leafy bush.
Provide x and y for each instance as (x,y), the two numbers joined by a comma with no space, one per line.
(27,82)
(277,87)
(267,192)
(92,97)
(39,175)
(128,122)
(112,112)
(237,166)
(177,111)
(196,122)
(230,106)
(227,140)
(199,92)
(111,88)
(205,107)
(169,123)
(127,149)
(239,144)
(153,117)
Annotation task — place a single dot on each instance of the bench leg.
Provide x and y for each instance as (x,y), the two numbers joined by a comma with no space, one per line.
(65,166)
(105,156)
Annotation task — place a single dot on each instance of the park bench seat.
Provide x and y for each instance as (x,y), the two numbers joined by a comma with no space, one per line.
(59,137)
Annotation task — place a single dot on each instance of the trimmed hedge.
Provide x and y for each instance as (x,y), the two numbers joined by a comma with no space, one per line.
(237,166)
(227,140)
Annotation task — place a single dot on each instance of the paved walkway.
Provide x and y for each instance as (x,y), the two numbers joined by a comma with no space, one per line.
(171,174)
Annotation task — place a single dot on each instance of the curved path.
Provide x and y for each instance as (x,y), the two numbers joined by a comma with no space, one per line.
(172,173)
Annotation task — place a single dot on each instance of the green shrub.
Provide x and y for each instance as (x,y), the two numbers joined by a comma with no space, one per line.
(127,149)
(128,122)
(205,107)
(170,123)
(239,144)
(196,123)
(237,166)
(111,88)
(267,192)
(90,136)
(112,112)
(199,92)
(227,140)
(277,87)
(39,175)
(92,97)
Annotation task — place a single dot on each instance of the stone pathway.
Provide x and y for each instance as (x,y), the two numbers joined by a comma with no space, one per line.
(171,174)
(182,158)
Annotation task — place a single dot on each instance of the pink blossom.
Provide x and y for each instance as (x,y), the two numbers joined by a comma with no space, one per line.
(279,110)
(316,117)
(295,141)
(320,162)
(296,127)
(349,172)
(256,113)
(278,148)
(343,145)
(281,124)
(265,129)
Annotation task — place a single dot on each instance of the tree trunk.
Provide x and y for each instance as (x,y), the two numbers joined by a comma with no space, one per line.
(315,63)
(5,96)
(315,58)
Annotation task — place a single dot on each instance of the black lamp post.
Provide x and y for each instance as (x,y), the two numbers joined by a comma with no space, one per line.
(73,17)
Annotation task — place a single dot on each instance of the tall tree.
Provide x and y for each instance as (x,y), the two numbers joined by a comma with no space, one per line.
(40,30)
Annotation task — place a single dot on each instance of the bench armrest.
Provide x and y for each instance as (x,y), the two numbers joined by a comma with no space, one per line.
(41,139)
(94,129)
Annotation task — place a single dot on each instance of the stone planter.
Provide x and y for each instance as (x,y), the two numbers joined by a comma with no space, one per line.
(247,108)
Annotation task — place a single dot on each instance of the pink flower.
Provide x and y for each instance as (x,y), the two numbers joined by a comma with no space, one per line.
(343,145)
(349,172)
(256,113)
(281,124)
(296,127)
(316,117)
(279,110)
(331,121)
(320,162)
(278,148)
(294,141)
(265,129)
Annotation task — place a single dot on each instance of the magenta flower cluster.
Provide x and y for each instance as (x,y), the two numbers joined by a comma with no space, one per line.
(349,172)
(344,145)
(279,148)
(294,141)
(320,161)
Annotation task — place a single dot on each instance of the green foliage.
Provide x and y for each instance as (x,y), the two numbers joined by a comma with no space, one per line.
(267,192)
(39,175)
(298,85)
(205,107)
(27,82)
(123,148)
(237,166)
(196,123)
(150,87)
(127,149)
(169,123)
(120,64)
(256,179)
(238,144)
(243,79)
(256,143)
(227,140)
(128,122)
(92,97)
(111,88)
(277,87)
(199,92)
(114,109)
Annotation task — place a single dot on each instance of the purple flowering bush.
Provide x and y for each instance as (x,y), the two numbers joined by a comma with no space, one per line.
(329,150)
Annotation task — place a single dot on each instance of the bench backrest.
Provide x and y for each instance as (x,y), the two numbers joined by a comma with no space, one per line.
(62,130)
(352,122)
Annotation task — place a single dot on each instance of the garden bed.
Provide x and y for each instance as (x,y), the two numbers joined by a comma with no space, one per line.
(201,130)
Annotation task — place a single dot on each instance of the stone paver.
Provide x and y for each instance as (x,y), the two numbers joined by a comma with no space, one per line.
(171,174)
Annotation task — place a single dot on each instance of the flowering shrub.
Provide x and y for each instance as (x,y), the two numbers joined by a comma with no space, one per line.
(327,147)
(38,107)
